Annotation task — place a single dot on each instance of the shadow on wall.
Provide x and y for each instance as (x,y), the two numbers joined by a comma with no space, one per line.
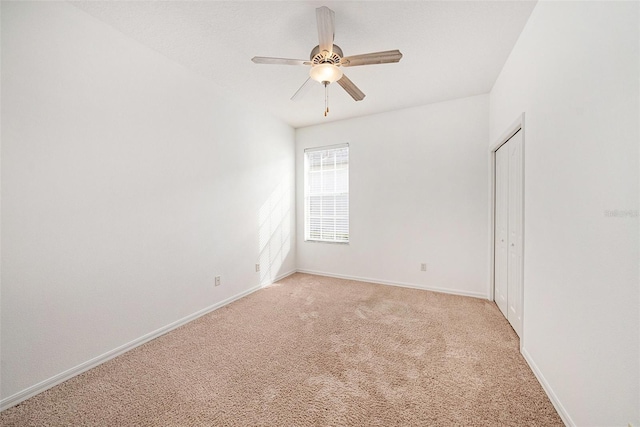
(275,232)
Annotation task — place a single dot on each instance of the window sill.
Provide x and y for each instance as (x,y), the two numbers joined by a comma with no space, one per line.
(326,241)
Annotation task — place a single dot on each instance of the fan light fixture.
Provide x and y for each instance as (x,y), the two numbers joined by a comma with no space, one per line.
(325,73)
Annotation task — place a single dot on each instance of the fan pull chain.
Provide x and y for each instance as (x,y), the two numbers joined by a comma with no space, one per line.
(326,98)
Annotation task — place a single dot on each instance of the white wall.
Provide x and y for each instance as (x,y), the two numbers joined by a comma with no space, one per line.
(128,183)
(574,72)
(418,194)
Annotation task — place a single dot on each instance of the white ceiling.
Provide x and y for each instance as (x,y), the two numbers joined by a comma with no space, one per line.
(451,49)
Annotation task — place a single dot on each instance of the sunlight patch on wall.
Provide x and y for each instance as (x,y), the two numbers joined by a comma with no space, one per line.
(275,232)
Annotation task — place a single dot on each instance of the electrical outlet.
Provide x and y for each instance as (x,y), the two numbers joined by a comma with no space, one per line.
(423,267)
(217,280)
(257,267)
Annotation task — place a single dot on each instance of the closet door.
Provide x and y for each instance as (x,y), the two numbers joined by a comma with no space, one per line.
(508,241)
(515,232)
(501,235)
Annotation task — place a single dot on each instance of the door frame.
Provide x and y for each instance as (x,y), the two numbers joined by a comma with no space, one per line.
(517,125)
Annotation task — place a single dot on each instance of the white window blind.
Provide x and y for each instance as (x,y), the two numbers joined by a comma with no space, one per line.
(326,196)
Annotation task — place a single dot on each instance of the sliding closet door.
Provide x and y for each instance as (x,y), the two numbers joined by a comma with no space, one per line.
(508,230)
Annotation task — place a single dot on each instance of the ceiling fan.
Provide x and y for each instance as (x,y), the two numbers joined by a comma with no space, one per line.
(327,58)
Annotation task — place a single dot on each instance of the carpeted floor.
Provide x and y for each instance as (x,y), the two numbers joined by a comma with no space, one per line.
(313,351)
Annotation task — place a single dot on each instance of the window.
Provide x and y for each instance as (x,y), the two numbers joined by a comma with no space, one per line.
(326,194)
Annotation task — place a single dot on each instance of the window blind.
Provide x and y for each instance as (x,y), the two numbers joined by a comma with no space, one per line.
(327,194)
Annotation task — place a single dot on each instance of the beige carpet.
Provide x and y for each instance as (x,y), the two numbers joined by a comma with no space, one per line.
(313,351)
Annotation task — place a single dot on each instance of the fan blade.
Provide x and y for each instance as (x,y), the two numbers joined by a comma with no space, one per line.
(326,28)
(351,88)
(279,61)
(385,57)
(303,90)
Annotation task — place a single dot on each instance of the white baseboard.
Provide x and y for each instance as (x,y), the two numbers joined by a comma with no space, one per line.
(564,415)
(278,278)
(400,284)
(92,363)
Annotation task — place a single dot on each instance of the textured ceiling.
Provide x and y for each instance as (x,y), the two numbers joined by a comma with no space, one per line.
(451,49)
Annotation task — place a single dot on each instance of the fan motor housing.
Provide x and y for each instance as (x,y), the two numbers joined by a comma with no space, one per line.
(318,57)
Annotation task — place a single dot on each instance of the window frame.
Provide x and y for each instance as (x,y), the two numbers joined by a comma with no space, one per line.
(308,195)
